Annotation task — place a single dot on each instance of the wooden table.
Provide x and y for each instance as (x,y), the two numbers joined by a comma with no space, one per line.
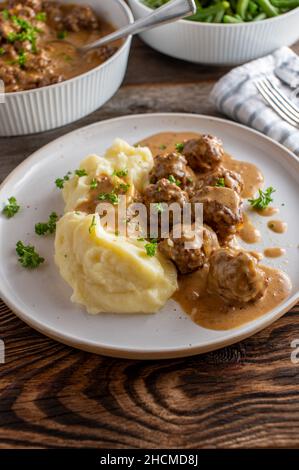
(51,395)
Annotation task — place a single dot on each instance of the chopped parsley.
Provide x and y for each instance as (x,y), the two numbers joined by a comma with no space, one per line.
(27,32)
(28,257)
(94,183)
(179,147)
(22,59)
(264,198)
(120,173)
(123,187)
(162,147)
(12,208)
(41,16)
(5,14)
(2,51)
(61,34)
(92,225)
(60,181)
(110,197)
(159,207)
(151,247)
(220,183)
(44,228)
(172,179)
(80,173)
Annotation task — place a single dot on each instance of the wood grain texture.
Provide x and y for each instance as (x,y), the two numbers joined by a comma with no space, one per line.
(51,395)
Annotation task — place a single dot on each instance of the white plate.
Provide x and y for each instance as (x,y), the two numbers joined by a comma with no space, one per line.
(41,297)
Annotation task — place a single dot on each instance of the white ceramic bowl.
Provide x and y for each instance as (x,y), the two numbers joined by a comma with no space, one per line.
(42,109)
(220,44)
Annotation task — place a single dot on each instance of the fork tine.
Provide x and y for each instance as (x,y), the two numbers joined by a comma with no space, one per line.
(271,101)
(282,98)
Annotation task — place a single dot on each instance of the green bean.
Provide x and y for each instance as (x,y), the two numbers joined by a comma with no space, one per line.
(260,16)
(219,16)
(242,6)
(268,8)
(211,10)
(252,7)
(231,19)
(209,19)
(285,3)
(248,16)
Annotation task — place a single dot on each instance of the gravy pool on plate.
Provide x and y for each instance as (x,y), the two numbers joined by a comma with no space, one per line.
(29,60)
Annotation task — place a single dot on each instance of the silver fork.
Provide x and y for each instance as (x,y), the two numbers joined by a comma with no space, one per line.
(278,101)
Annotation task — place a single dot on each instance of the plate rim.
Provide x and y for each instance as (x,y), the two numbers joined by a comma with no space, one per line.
(248,329)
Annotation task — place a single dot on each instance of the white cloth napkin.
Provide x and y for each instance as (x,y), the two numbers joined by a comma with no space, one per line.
(236,96)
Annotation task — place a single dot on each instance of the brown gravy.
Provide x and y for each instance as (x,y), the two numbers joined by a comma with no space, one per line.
(267,212)
(277,226)
(274,252)
(211,311)
(248,232)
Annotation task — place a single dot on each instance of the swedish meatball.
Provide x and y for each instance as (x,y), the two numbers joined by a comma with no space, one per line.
(189,259)
(236,276)
(203,154)
(223,177)
(173,165)
(165,191)
(221,210)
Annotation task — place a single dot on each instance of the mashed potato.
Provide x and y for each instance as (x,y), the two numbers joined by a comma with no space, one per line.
(138,161)
(110,273)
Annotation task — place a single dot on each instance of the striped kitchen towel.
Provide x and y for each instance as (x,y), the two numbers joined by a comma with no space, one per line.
(236,95)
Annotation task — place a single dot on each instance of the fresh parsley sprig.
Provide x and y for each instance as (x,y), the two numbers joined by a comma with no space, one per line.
(60,181)
(44,228)
(179,147)
(28,257)
(120,173)
(12,208)
(220,183)
(172,179)
(151,247)
(264,198)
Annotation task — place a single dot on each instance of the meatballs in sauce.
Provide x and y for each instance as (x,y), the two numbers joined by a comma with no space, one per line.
(222,285)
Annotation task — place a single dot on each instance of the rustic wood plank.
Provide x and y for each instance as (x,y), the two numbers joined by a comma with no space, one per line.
(51,395)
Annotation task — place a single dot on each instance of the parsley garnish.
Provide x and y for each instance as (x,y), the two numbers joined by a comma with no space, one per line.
(111,197)
(93,224)
(94,183)
(162,147)
(2,51)
(61,34)
(27,32)
(41,16)
(220,183)
(43,228)
(5,14)
(22,59)
(151,247)
(264,199)
(60,181)
(80,173)
(159,207)
(172,179)
(12,208)
(179,147)
(123,187)
(28,257)
(120,173)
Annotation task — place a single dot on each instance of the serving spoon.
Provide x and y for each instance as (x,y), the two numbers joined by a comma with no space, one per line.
(166,14)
